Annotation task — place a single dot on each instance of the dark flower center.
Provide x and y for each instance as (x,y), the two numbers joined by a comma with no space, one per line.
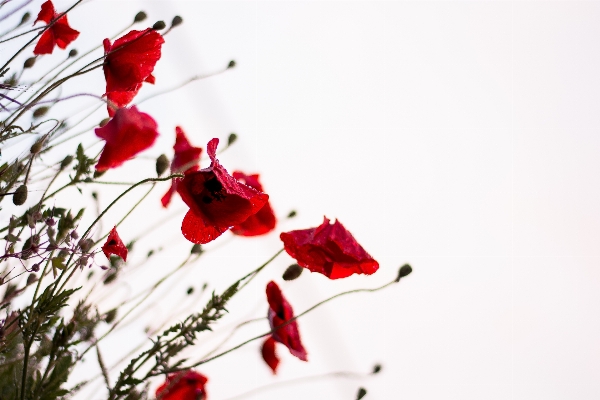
(214,188)
(112,242)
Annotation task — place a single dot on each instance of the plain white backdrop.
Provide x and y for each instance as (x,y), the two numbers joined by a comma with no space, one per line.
(461,137)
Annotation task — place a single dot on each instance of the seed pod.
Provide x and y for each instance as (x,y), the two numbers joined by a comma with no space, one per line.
(292,272)
(20,195)
(159,25)
(139,17)
(66,161)
(29,62)
(162,163)
(177,20)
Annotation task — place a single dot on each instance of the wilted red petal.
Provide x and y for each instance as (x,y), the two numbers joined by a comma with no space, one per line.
(126,134)
(264,220)
(186,159)
(114,245)
(330,250)
(129,61)
(184,385)
(280,311)
(47,12)
(269,354)
(217,201)
(58,34)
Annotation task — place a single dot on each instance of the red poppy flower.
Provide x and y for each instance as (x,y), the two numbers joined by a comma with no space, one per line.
(264,220)
(126,134)
(280,311)
(58,34)
(330,250)
(129,62)
(217,200)
(114,245)
(184,385)
(186,159)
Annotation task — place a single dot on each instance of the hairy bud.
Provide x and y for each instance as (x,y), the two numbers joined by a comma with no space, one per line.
(177,20)
(25,18)
(159,25)
(29,62)
(404,271)
(362,392)
(37,146)
(139,17)
(231,139)
(292,272)
(162,163)
(66,161)
(20,195)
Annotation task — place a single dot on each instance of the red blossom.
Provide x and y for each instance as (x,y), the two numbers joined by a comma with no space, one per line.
(129,62)
(264,220)
(114,245)
(280,311)
(126,134)
(58,34)
(330,250)
(217,200)
(184,385)
(186,159)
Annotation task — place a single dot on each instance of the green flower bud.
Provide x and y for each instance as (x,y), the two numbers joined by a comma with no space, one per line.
(231,64)
(177,20)
(159,25)
(40,112)
(29,62)
(139,17)
(72,53)
(404,271)
(66,161)
(362,392)
(162,163)
(20,195)
(292,272)
(231,139)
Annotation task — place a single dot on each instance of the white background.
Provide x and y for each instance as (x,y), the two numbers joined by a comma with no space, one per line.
(461,137)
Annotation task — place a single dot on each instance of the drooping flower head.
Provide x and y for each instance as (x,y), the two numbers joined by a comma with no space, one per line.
(330,250)
(126,134)
(264,220)
(114,245)
(217,200)
(129,62)
(280,311)
(186,159)
(184,385)
(58,34)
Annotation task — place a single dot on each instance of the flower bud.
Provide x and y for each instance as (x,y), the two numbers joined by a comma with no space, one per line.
(35,267)
(231,64)
(20,195)
(177,20)
(404,271)
(31,279)
(110,316)
(40,112)
(362,392)
(190,290)
(74,235)
(197,249)
(376,369)
(103,122)
(162,163)
(85,244)
(139,17)
(29,62)
(72,53)
(292,272)
(159,25)
(25,18)
(231,139)
(66,161)
(292,214)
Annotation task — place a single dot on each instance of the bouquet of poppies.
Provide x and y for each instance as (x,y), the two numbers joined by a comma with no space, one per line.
(64,248)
